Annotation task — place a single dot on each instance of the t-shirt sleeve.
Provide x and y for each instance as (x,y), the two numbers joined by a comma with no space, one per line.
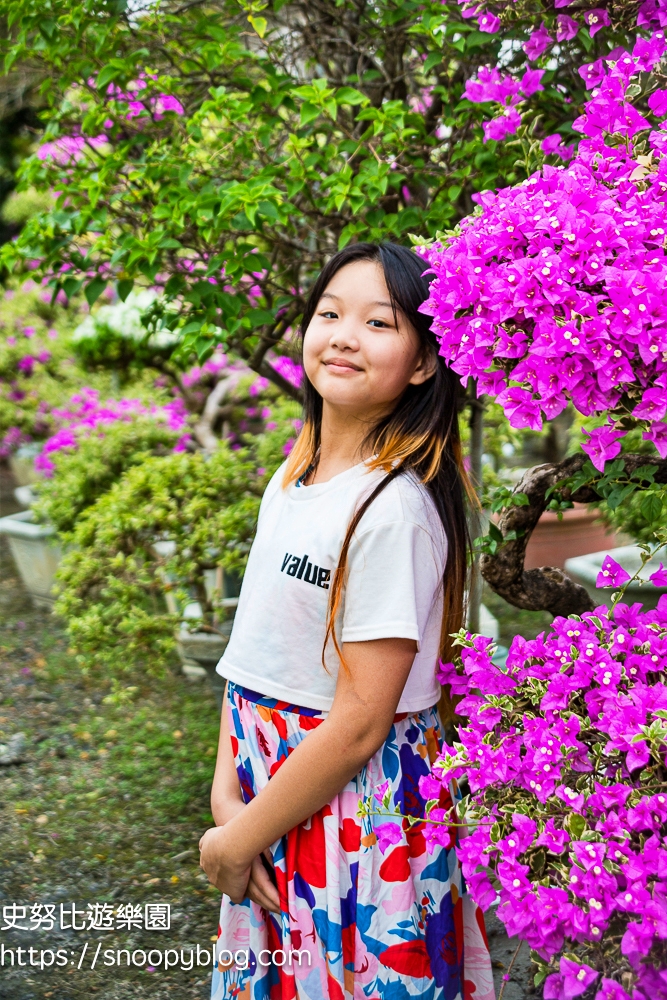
(395,574)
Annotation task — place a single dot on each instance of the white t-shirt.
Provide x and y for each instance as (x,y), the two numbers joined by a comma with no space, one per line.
(393,589)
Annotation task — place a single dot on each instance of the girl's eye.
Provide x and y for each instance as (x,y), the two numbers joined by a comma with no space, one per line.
(329,314)
(378,323)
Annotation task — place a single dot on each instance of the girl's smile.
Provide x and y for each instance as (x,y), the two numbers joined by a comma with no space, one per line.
(341,366)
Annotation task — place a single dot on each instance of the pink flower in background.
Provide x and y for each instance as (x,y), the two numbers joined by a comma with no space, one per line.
(657,102)
(567,28)
(602,444)
(488,22)
(166,103)
(611,574)
(87,415)
(659,578)
(596,19)
(492,85)
(289,369)
(539,42)
(502,126)
(69,148)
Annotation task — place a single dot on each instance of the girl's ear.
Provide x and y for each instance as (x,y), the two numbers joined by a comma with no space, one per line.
(427,364)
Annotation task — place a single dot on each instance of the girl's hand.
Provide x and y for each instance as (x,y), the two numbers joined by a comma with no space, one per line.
(260,887)
(224,871)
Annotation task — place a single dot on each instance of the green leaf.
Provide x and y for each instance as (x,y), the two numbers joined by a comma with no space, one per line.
(260,24)
(124,287)
(576,825)
(495,533)
(618,495)
(94,289)
(435,59)
(106,76)
(309,112)
(651,507)
(71,286)
(349,95)
(192,327)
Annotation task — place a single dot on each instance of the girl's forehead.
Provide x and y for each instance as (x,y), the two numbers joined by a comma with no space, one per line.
(361,278)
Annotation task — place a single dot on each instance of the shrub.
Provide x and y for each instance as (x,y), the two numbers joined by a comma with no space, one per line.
(563,751)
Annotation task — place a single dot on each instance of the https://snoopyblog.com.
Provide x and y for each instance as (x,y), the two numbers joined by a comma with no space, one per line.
(91,957)
(45,917)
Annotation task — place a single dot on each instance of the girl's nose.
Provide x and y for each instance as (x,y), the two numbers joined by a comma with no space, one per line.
(344,337)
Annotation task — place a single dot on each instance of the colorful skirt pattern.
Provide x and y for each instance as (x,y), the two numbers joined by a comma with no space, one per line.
(355,923)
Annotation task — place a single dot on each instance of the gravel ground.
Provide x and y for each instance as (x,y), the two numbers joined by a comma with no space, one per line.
(104,841)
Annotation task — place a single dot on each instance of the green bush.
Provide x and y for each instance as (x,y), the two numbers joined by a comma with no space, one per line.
(83,474)
(112,579)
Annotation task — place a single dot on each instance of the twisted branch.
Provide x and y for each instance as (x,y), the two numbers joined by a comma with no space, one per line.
(547,588)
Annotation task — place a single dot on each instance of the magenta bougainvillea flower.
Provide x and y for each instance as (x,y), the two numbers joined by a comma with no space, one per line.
(569,828)
(86,414)
(567,28)
(601,445)
(611,574)
(596,19)
(657,102)
(556,291)
(659,578)
(488,22)
(539,42)
(505,124)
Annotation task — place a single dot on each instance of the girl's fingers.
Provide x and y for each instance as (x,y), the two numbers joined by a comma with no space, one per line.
(257,896)
(263,887)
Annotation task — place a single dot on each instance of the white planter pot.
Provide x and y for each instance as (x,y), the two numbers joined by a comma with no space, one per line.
(22,464)
(200,651)
(35,553)
(585,569)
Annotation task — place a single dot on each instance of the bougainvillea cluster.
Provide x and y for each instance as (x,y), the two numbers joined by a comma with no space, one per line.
(86,415)
(564,754)
(555,289)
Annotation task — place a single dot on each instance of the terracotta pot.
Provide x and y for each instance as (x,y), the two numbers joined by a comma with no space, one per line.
(554,541)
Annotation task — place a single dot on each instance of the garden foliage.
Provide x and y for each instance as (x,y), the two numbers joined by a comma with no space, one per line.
(113,577)
(222,150)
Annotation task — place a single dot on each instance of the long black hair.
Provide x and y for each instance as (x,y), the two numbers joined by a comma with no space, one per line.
(420,435)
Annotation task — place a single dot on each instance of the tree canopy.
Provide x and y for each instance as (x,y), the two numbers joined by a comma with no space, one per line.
(221,150)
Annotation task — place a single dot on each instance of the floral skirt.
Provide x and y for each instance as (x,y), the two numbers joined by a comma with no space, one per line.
(355,922)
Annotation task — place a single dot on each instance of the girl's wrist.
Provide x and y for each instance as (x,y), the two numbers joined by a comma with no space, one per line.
(232,846)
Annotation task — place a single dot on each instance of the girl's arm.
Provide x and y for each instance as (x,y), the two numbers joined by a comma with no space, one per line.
(320,767)
(226,802)
(226,799)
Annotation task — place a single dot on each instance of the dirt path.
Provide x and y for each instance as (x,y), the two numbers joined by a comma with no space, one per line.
(106,807)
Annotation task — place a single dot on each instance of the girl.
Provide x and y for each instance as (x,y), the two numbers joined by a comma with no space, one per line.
(353,585)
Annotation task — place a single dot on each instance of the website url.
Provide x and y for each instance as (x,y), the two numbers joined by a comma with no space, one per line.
(155,958)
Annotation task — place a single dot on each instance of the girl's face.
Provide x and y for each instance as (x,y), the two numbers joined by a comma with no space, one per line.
(354,353)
